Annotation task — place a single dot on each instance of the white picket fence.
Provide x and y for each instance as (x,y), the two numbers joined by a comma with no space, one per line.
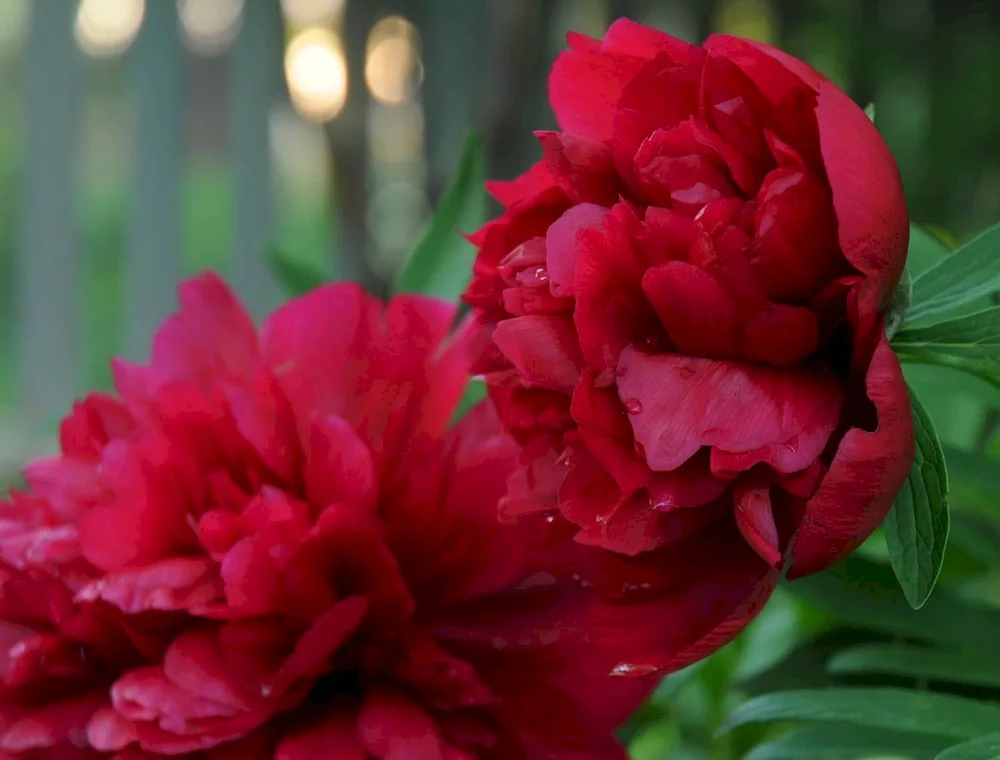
(49,266)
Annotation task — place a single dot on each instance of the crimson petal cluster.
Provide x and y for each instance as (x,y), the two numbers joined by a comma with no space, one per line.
(272,545)
(682,309)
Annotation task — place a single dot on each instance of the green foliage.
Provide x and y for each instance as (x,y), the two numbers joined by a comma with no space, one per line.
(441,264)
(970,343)
(981,748)
(838,742)
(967,275)
(916,530)
(297,276)
(928,663)
(941,715)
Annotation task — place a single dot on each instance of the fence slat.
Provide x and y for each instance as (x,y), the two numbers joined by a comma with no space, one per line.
(153,255)
(254,83)
(48,268)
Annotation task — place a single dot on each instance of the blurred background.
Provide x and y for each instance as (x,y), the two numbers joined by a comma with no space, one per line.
(142,140)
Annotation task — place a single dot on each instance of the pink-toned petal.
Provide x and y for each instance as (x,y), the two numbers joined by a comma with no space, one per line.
(585,86)
(265,419)
(544,349)
(339,465)
(210,338)
(332,736)
(173,584)
(698,313)
(108,731)
(755,519)
(145,694)
(195,663)
(392,727)
(746,413)
(318,348)
(867,472)
(561,245)
(59,720)
(626,37)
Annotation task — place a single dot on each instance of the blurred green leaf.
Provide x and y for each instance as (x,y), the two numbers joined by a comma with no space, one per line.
(864,594)
(981,748)
(475,392)
(969,273)
(916,529)
(970,343)
(918,662)
(771,637)
(925,250)
(441,264)
(296,276)
(870,112)
(899,709)
(973,470)
(838,742)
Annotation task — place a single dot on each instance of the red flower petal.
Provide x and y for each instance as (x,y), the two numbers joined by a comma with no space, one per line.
(544,350)
(318,347)
(561,244)
(332,736)
(391,727)
(699,315)
(211,338)
(867,472)
(754,518)
(747,413)
(172,584)
(339,465)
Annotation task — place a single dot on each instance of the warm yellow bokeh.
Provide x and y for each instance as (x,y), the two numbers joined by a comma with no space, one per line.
(392,67)
(106,28)
(210,26)
(311,12)
(317,73)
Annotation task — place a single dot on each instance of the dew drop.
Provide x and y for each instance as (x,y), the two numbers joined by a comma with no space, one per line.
(266,689)
(550,518)
(686,372)
(633,406)
(633,670)
(499,643)
(621,370)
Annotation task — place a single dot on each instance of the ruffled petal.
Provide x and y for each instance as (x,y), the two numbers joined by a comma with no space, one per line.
(867,472)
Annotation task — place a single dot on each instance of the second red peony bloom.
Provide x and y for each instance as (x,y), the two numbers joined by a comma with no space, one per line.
(682,309)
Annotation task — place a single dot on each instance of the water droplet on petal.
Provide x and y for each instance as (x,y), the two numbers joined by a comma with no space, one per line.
(550,518)
(266,689)
(499,643)
(633,406)
(633,670)
(686,372)
(621,370)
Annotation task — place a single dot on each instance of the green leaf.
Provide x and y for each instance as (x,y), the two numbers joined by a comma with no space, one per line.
(925,250)
(901,709)
(475,392)
(864,594)
(970,273)
(296,276)
(441,264)
(916,530)
(981,748)
(970,343)
(870,112)
(952,666)
(836,742)
(973,470)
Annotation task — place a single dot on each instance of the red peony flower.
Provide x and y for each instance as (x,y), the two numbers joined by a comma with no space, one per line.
(682,309)
(272,546)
